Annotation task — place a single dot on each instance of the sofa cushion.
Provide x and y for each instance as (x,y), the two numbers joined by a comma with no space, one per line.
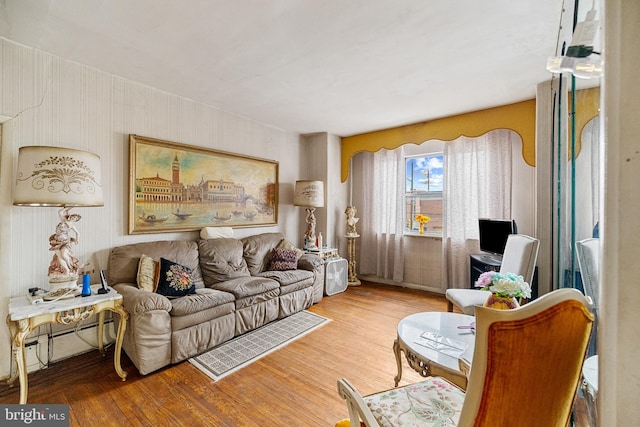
(295,301)
(290,280)
(201,300)
(147,278)
(124,260)
(283,259)
(174,280)
(189,341)
(435,396)
(221,259)
(257,250)
(285,244)
(243,287)
(216,232)
(201,307)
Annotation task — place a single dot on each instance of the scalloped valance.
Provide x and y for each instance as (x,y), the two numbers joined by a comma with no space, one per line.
(519,117)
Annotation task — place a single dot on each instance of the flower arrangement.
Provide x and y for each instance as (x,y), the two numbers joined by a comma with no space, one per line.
(505,285)
(422,220)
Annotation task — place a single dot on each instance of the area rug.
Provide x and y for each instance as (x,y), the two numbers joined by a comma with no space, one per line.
(237,353)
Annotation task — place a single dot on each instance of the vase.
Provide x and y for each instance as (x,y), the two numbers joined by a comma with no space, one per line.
(421,228)
(501,303)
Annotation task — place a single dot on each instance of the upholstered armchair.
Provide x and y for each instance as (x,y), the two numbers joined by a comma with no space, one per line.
(588,255)
(526,367)
(520,256)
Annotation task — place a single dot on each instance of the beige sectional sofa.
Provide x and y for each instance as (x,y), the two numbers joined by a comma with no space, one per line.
(235,292)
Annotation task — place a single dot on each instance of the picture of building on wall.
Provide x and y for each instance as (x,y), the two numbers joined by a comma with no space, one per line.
(178,187)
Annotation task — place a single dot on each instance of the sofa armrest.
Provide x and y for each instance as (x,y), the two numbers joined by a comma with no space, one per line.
(310,262)
(137,301)
(147,338)
(315,264)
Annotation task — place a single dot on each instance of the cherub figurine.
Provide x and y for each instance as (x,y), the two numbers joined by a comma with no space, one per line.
(64,265)
(351,212)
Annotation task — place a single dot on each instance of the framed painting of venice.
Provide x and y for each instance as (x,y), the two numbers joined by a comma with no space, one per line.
(178,187)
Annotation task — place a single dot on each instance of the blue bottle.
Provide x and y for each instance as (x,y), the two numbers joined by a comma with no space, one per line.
(86,285)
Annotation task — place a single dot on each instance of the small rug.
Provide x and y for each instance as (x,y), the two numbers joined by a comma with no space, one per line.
(237,353)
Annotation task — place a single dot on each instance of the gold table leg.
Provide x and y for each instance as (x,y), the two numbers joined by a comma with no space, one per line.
(396,351)
(101,333)
(19,331)
(119,338)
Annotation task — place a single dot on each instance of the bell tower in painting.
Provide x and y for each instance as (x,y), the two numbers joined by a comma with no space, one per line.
(176,171)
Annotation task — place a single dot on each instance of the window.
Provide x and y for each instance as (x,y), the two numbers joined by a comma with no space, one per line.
(423,191)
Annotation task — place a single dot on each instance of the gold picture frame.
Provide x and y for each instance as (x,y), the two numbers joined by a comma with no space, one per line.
(179,187)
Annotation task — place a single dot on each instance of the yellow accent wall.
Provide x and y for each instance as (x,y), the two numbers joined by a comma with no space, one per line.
(587,108)
(519,117)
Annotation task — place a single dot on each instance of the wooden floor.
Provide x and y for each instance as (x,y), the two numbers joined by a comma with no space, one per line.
(294,386)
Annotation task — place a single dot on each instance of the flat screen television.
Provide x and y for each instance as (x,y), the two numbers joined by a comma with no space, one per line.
(494,234)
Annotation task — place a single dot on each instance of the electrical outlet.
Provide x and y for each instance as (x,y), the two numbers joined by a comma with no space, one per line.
(34,352)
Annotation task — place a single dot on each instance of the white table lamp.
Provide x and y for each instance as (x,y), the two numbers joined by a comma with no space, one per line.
(310,195)
(64,177)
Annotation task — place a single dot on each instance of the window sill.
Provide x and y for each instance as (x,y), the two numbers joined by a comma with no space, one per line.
(431,234)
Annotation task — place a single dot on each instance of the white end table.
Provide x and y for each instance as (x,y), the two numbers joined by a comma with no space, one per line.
(24,317)
(426,360)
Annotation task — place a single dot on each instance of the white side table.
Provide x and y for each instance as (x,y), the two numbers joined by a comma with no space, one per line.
(24,317)
(428,361)
(324,253)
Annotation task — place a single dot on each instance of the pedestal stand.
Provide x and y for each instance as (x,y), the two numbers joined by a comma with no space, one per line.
(351,258)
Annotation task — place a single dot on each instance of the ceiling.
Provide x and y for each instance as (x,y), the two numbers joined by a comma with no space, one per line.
(339,66)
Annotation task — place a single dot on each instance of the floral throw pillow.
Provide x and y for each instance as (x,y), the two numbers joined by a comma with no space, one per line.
(283,259)
(174,280)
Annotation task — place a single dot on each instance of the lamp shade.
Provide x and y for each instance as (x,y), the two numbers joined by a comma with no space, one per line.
(309,194)
(55,176)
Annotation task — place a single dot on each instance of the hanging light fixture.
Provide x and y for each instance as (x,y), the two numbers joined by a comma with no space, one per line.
(578,59)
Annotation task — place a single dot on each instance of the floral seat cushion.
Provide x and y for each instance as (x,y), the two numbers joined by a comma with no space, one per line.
(433,402)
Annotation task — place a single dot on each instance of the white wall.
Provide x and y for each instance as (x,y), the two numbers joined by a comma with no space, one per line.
(618,332)
(52,101)
(322,162)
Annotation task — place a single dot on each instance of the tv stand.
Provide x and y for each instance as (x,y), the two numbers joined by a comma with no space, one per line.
(481,263)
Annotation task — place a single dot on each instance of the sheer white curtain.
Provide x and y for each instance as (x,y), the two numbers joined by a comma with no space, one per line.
(477,185)
(380,193)
(586,182)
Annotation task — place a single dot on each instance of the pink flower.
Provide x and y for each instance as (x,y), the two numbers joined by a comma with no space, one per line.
(485,279)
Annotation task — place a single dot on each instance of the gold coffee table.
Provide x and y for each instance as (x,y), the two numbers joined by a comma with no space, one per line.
(433,342)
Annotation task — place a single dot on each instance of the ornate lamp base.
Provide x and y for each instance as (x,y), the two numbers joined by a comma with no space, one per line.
(72,283)
(310,234)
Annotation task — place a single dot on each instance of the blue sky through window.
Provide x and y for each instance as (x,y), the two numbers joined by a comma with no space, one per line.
(425,173)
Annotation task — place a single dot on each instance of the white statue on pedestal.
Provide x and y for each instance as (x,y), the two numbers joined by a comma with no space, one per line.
(351,212)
